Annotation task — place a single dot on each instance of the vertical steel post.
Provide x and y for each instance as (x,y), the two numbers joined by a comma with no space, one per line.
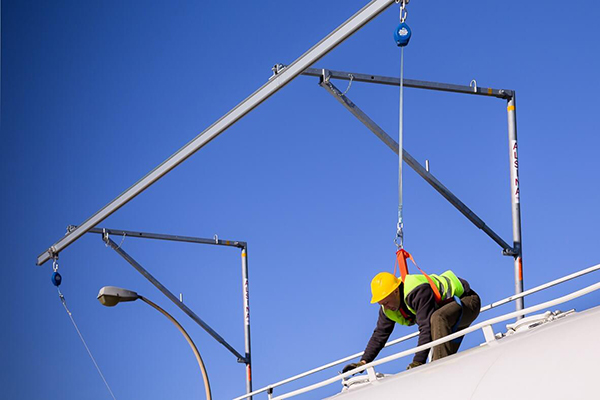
(246,303)
(515,197)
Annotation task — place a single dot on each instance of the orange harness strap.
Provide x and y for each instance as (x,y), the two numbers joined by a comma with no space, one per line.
(401,256)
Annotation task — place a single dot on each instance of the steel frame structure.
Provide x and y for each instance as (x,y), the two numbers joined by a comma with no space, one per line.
(515,251)
(243,246)
(281,78)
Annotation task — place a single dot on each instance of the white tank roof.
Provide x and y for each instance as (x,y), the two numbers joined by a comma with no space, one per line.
(553,360)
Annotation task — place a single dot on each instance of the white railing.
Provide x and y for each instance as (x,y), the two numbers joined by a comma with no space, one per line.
(485,326)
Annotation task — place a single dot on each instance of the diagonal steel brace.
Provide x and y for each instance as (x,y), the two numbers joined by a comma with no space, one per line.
(172,297)
(410,160)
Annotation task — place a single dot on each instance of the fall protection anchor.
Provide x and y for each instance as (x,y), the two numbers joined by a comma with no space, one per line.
(56,278)
(402,33)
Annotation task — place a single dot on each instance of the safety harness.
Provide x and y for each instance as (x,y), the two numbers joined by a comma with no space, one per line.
(401,257)
(401,261)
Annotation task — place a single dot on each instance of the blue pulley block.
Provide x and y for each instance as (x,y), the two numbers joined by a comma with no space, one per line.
(56,279)
(402,34)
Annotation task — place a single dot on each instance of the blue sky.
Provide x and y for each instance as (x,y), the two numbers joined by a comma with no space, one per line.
(96,94)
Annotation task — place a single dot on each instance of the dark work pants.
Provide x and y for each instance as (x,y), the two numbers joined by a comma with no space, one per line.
(444,318)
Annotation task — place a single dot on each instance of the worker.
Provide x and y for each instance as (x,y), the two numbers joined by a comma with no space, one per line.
(414,301)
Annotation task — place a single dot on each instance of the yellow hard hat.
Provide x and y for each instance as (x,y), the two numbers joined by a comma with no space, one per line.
(383,285)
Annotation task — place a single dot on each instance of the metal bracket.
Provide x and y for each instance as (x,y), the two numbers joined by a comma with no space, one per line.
(277,68)
(510,252)
(53,253)
(325,76)
(507,94)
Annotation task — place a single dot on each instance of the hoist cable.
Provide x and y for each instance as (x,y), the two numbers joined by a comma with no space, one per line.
(400,227)
(64,302)
(402,36)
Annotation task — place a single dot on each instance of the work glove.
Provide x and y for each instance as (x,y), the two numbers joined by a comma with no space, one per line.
(352,366)
(414,364)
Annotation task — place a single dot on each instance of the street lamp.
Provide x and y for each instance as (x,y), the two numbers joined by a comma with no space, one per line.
(110,296)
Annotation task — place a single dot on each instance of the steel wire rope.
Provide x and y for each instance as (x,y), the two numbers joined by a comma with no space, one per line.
(64,302)
(402,37)
(400,227)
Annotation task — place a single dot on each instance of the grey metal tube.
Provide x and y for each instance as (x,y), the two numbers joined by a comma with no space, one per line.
(384,80)
(160,236)
(190,342)
(341,33)
(414,164)
(515,197)
(172,297)
(246,305)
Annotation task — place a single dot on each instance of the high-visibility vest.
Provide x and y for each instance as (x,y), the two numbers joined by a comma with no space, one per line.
(447,284)
(399,316)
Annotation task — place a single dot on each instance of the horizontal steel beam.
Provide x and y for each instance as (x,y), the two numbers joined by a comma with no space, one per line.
(172,297)
(384,80)
(159,236)
(278,81)
(410,160)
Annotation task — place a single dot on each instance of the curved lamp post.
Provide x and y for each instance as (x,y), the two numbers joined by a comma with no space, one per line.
(110,296)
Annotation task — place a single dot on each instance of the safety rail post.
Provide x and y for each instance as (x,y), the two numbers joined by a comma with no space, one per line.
(515,198)
(488,334)
(371,374)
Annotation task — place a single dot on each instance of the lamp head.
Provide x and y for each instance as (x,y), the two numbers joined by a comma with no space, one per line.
(110,296)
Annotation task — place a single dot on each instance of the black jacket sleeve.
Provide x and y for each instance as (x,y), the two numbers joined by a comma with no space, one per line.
(422,300)
(379,338)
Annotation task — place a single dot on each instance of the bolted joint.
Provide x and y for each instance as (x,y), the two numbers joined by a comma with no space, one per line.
(242,360)
(510,252)
(277,68)
(506,94)
(53,253)
(325,76)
